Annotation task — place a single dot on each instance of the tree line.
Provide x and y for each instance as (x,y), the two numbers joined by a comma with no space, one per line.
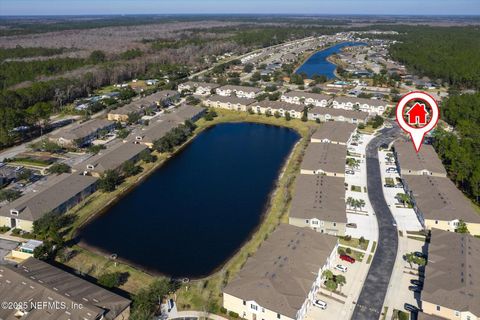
(460,149)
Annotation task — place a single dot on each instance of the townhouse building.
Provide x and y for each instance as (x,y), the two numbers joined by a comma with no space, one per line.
(423,162)
(334,132)
(58,194)
(331,114)
(81,134)
(306,98)
(452,278)
(324,158)
(439,204)
(239,91)
(228,102)
(281,279)
(198,88)
(265,106)
(319,203)
(35,281)
(372,106)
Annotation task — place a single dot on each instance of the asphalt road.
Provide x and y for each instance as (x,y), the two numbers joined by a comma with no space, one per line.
(370,302)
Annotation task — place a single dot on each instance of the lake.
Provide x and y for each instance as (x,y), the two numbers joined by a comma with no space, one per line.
(318,64)
(193,213)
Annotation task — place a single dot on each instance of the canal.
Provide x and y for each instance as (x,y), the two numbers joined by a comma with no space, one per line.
(317,64)
(193,213)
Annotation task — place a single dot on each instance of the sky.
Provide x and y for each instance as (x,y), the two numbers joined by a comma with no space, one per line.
(78,7)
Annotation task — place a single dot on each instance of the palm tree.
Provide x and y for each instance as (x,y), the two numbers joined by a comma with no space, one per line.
(403,198)
(361,203)
(350,201)
(340,280)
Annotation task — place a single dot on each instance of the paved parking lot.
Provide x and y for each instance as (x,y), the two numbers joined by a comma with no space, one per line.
(406,218)
(5,247)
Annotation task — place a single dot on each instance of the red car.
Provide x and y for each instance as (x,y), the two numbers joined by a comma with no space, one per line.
(344,257)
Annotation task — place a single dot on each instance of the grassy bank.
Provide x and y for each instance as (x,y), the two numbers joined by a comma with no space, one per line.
(204,294)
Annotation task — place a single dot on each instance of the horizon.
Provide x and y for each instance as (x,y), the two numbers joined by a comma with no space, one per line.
(245,7)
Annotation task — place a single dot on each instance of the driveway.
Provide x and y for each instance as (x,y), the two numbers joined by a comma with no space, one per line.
(370,301)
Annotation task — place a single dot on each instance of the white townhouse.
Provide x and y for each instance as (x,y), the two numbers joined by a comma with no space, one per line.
(372,106)
(307,98)
(230,103)
(239,91)
(198,88)
(332,114)
(262,107)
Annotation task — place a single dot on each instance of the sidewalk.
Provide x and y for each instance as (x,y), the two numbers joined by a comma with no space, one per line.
(197,314)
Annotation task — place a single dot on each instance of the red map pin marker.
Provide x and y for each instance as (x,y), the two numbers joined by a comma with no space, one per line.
(417,114)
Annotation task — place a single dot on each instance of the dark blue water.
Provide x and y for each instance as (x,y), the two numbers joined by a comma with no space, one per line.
(318,64)
(193,213)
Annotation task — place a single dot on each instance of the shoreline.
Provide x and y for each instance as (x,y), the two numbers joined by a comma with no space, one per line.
(237,118)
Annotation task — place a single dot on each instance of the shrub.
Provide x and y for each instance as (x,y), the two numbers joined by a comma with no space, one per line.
(233,314)
(223,310)
(348,251)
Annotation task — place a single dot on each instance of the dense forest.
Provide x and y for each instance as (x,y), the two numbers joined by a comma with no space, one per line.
(451,54)
(20,52)
(460,150)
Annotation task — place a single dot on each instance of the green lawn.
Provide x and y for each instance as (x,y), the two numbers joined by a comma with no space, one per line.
(354,243)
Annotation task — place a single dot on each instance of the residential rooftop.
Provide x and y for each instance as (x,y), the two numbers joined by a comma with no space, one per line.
(452,275)
(279,105)
(37,281)
(439,199)
(306,95)
(361,101)
(335,131)
(185,112)
(230,99)
(280,274)
(410,160)
(324,156)
(319,196)
(240,88)
(201,84)
(82,130)
(50,195)
(334,112)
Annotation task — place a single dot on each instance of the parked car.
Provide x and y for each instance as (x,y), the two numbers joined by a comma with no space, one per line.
(411,308)
(354,144)
(420,254)
(341,268)
(347,258)
(391,170)
(351,225)
(320,303)
(415,288)
(350,172)
(416,282)
(388,186)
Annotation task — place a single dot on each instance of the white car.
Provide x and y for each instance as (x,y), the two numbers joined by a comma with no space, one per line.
(321,304)
(391,170)
(341,268)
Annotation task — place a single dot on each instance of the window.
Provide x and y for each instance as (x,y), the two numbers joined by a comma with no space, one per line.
(436,221)
(306,221)
(334,224)
(253,307)
(278,316)
(314,222)
(438,308)
(244,303)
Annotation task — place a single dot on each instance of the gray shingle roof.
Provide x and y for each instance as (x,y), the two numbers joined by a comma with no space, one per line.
(339,112)
(335,131)
(240,88)
(452,275)
(38,281)
(328,157)
(439,199)
(281,273)
(56,191)
(319,196)
(425,159)
(82,130)
(231,99)
(302,94)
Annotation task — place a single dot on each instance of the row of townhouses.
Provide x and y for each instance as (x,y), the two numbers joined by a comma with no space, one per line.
(318,201)
(59,193)
(438,203)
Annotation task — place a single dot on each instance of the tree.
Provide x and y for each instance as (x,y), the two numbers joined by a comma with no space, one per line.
(331,285)
(9,195)
(130,169)
(411,258)
(277,114)
(39,114)
(25,174)
(327,274)
(340,280)
(123,133)
(305,115)
(147,157)
(287,116)
(148,298)
(133,117)
(352,163)
(108,181)
(59,168)
(462,227)
(97,56)
(248,67)
(403,198)
(111,280)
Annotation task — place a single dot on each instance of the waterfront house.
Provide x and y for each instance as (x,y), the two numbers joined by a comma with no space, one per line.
(451,287)
(439,204)
(372,106)
(35,281)
(423,162)
(81,134)
(228,102)
(318,203)
(198,88)
(324,159)
(239,91)
(185,112)
(262,107)
(334,132)
(281,279)
(332,114)
(306,98)
(111,158)
(154,131)
(57,194)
